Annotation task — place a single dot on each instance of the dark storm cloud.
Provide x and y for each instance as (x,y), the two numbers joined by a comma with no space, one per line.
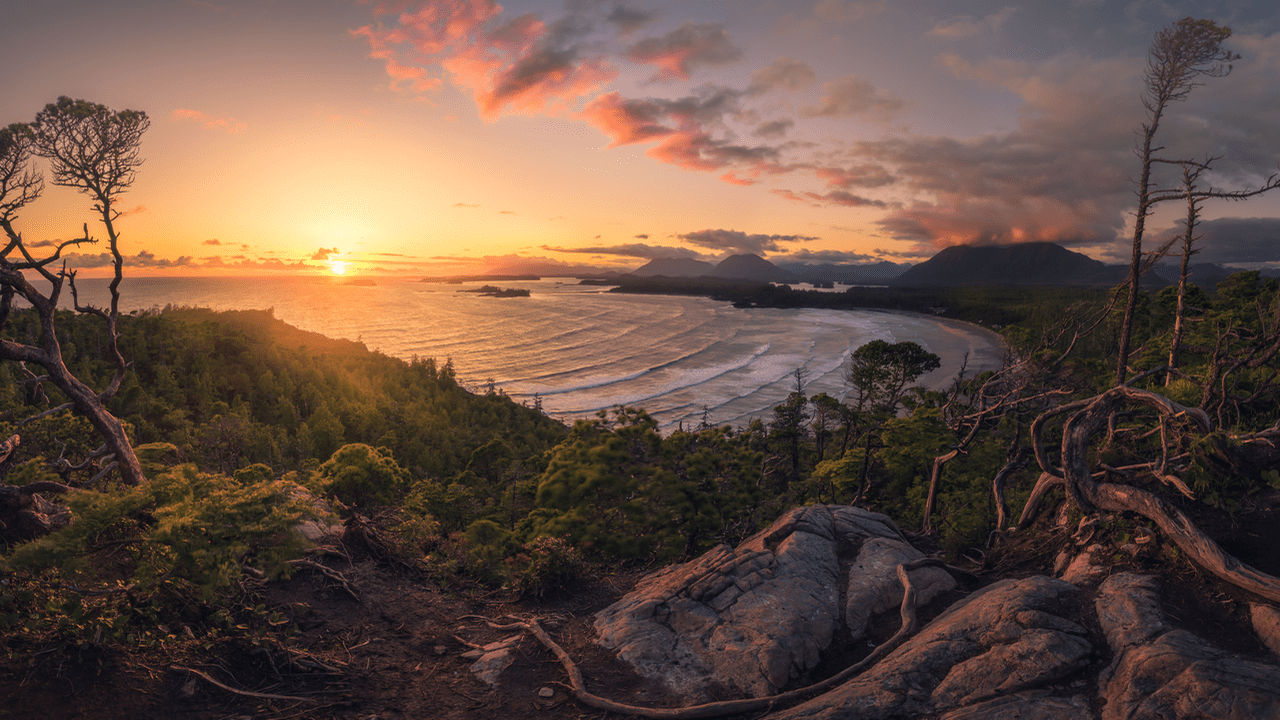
(1233,241)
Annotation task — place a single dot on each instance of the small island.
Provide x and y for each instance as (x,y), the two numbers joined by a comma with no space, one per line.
(493,291)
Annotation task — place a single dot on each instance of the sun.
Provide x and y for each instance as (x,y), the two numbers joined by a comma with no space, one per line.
(338,267)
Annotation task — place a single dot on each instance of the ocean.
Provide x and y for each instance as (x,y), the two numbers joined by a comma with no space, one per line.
(577,349)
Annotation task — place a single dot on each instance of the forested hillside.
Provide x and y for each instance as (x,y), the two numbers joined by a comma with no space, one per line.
(234,413)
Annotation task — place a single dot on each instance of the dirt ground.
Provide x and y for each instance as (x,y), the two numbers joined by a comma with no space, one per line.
(397,650)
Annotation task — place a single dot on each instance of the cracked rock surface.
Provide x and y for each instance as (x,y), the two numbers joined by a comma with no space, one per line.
(756,617)
(753,619)
(1162,672)
(986,653)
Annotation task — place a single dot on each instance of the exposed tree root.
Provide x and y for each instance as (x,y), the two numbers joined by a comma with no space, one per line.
(1090,496)
(910,623)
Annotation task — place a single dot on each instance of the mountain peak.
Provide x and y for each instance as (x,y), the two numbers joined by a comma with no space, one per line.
(751,267)
(1033,263)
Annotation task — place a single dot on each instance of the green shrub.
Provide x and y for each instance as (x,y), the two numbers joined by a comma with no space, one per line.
(172,543)
(546,566)
(361,476)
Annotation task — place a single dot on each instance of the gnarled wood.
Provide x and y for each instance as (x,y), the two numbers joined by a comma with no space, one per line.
(1090,496)
(1044,484)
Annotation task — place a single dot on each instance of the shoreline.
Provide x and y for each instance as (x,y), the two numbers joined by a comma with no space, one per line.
(400,332)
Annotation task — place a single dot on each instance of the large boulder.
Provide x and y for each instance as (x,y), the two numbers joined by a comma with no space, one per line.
(1163,672)
(992,655)
(754,618)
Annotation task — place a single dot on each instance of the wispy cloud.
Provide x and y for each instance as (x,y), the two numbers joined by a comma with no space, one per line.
(629,19)
(741,242)
(783,74)
(967,26)
(210,122)
(853,96)
(521,65)
(689,46)
(641,251)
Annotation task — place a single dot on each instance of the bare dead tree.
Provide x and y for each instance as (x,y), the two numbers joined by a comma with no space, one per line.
(1180,56)
(1190,175)
(95,150)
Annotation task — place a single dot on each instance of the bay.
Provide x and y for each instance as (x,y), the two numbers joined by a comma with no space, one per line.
(576,350)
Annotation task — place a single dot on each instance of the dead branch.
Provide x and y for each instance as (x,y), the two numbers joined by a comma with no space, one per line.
(1044,484)
(246,693)
(328,572)
(1013,459)
(8,446)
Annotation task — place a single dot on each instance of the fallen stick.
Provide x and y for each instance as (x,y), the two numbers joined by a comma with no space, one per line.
(247,693)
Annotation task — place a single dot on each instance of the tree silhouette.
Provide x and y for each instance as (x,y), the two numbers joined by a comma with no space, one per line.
(95,150)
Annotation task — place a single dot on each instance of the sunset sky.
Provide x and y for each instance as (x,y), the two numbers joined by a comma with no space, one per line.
(457,136)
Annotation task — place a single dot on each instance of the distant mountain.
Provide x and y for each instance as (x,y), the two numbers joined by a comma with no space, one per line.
(1205,275)
(877,273)
(1037,263)
(751,267)
(674,267)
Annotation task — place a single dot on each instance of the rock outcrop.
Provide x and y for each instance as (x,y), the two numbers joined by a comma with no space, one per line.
(1164,672)
(993,652)
(755,618)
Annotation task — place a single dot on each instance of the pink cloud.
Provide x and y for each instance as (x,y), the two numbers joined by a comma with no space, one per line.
(734,179)
(519,66)
(676,125)
(211,122)
(624,121)
(793,196)
(847,199)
